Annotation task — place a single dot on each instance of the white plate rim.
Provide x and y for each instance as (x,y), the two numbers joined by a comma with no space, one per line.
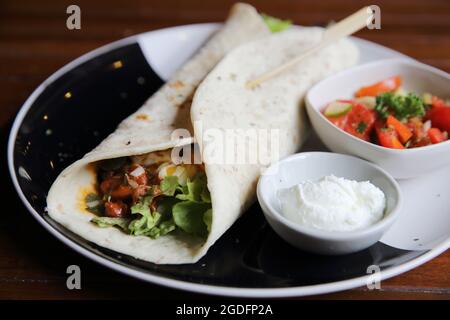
(178,284)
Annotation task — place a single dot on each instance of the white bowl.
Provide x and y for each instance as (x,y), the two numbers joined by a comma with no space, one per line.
(417,77)
(313,166)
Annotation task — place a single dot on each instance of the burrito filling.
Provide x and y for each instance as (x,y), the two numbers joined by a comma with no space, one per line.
(149,195)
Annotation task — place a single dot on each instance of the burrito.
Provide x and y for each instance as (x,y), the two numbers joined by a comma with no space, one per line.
(165,196)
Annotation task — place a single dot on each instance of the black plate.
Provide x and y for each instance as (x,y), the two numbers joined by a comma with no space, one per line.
(80,108)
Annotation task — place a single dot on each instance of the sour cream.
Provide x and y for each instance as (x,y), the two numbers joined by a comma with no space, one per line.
(333,204)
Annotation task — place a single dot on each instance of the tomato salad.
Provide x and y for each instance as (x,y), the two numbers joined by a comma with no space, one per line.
(386,115)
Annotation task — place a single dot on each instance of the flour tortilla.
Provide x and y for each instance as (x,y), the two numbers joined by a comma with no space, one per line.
(149,129)
(221,102)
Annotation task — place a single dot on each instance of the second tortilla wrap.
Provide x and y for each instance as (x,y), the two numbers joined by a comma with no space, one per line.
(150,129)
(222,104)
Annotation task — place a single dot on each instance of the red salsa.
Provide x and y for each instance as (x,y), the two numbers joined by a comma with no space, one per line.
(384,114)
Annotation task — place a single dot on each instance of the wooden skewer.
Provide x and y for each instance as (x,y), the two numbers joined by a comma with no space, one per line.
(343,28)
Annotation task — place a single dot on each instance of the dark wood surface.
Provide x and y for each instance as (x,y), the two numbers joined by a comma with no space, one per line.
(34,42)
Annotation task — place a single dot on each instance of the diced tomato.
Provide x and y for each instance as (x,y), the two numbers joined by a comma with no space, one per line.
(339,122)
(436,102)
(419,137)
(360,121)
(404,133)
(421,143)
(116,209)
(440,118)
(436,135)
(110,183)
(387,137)
(415,124)
(142,179)
(387,85)
(139,192)
(122,192)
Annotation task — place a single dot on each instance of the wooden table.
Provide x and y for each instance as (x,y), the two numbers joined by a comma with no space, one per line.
(34,42)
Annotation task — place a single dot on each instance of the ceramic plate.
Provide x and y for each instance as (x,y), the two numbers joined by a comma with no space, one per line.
(79,105)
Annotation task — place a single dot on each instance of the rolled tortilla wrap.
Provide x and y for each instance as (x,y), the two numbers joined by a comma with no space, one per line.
(222,103)
(149,129)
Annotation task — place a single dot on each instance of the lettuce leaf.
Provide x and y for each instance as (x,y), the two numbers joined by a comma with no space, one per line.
(165,206)
(275,24)
(195,190)
(193,214)
(188,216)
(169,185)
(191,206)
(164,228)
(148,220)
(105,222)
(207,219)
